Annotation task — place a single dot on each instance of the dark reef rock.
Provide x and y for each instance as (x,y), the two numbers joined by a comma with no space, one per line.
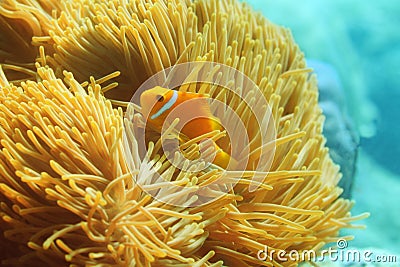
(342,139)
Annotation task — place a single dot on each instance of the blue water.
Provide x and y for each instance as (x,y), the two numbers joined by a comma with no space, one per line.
(361,41)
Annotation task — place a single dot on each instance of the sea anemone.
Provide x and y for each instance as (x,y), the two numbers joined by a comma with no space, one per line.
(67,193)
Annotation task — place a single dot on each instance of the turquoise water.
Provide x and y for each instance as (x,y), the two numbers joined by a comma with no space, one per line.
(361,41)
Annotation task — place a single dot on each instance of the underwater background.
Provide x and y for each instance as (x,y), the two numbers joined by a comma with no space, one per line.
(359,43)
(353,47)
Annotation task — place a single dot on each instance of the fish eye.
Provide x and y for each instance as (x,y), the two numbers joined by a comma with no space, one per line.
(160,98)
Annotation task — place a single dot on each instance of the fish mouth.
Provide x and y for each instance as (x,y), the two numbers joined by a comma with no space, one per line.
(147,102)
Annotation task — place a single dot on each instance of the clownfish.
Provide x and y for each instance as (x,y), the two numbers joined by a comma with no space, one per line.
(193,110)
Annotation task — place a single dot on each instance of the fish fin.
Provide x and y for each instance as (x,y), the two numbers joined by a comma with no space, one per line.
(218,155)
(225,160)
(205,95)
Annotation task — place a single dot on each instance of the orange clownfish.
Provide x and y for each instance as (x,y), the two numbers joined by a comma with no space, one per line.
(159,104)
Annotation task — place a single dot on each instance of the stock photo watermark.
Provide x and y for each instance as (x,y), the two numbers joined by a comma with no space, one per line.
(341,254)
(192,99)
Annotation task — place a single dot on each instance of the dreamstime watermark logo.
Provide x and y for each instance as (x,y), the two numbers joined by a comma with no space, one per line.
(243,112)
(339,254)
